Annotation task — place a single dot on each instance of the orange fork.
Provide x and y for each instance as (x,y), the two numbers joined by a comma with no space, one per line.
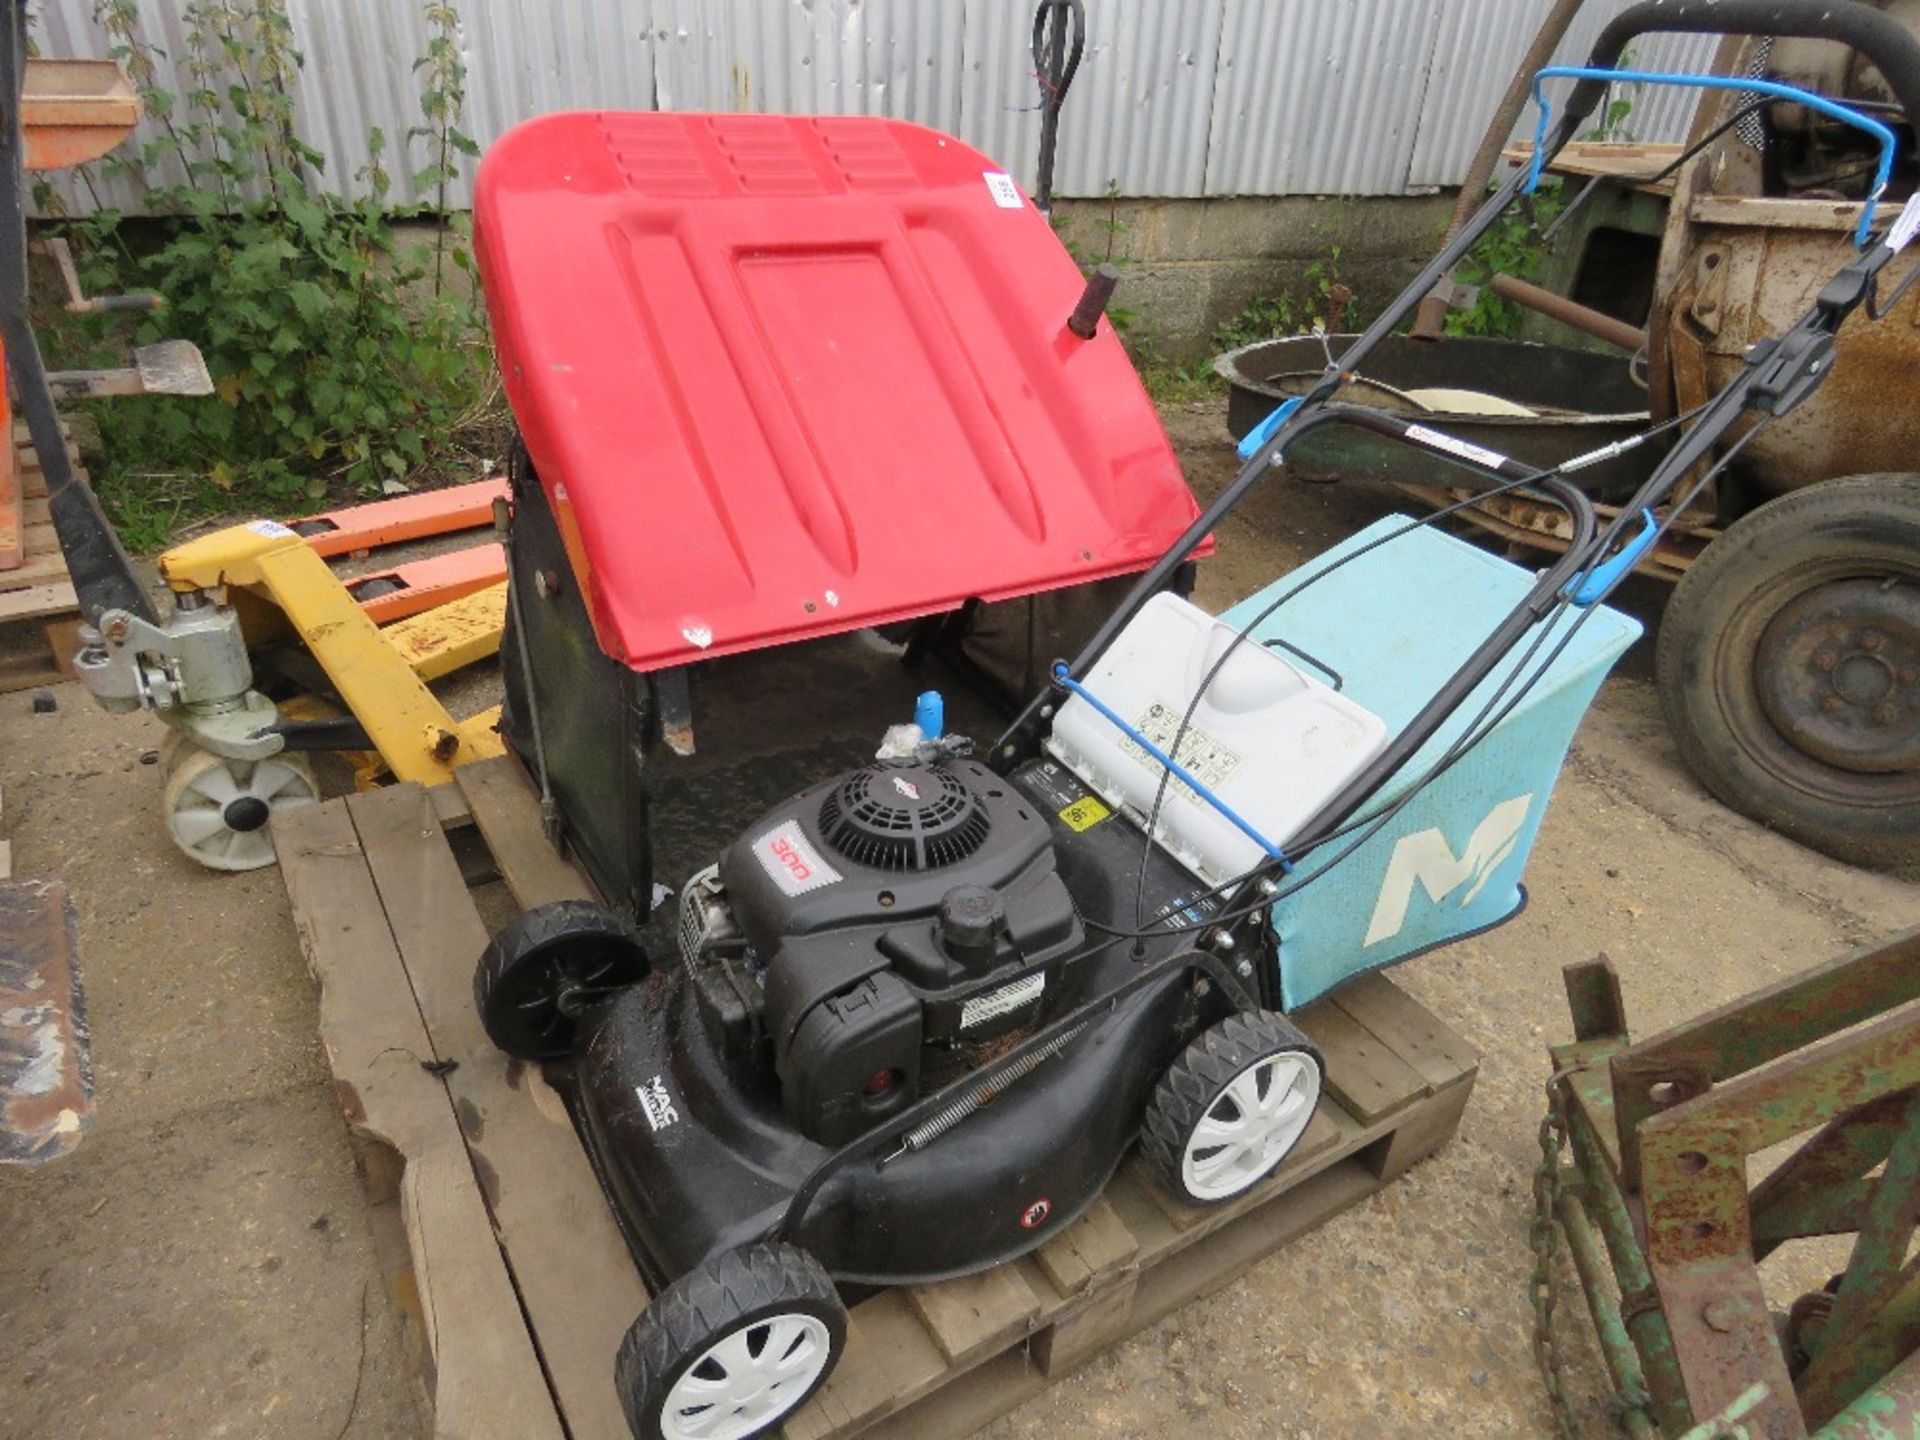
(406,517)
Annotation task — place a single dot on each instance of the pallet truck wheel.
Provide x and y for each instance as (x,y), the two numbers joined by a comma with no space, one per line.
(217,809)
(732,1348)
(1232,1107)
(544,971)
(1789,667)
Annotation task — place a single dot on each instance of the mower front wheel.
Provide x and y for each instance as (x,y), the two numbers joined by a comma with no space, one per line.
(732,1348)
(1232,1107)
(544,971)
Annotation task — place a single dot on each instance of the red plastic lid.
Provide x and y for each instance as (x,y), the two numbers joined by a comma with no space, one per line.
(784,376)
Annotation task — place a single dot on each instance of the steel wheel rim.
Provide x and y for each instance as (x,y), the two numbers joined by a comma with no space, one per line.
(210,791)
(1736,661)
(747,1380)
(1257,1117)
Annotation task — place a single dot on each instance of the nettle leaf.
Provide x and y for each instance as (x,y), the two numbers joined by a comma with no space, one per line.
(326,394)
(310,300)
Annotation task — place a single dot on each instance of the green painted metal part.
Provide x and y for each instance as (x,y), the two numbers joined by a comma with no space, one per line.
(1661,1134)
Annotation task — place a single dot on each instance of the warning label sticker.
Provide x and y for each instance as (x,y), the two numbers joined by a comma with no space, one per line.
(1000,185)
(1454,445)
(1084,813)
(1200,754)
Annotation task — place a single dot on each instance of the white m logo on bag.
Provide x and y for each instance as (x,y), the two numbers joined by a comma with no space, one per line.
(1427,858)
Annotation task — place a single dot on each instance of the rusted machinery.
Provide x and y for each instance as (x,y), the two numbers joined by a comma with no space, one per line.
(1668,1235)
(1789,657)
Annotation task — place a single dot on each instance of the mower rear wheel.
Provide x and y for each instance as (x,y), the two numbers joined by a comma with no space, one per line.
(1232,1107)
(544,971)
(732,1348)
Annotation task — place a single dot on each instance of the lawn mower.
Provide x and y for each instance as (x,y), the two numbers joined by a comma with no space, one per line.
(911,1019)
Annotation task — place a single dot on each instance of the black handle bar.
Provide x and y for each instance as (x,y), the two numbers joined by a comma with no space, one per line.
(1876,35)
(1059,39)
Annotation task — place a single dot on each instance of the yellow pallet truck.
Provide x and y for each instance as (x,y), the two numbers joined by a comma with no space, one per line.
(331,677)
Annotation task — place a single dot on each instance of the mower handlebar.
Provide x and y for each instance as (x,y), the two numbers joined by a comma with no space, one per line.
(1878,36)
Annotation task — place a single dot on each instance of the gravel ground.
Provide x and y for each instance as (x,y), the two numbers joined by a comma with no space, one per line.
(205,1265)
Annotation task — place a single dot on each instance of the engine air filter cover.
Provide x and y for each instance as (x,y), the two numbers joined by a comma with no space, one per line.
(903,817)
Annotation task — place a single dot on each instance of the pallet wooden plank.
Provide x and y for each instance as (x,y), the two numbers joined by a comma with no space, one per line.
(564,1249)
(45,569)
(1407,1028)
(1079,1334)
(1224,1254)
(890,1355)
(993,1389)
(976,1314)
(508,813)
(450,806)
(1096,1244)
(488,1380)
(1421,1131)
(61,638)
(1362,1073)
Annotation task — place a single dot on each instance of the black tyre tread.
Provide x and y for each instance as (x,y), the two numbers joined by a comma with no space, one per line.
(683,1320)
(1197,1077)
(1714,760)
(534,931)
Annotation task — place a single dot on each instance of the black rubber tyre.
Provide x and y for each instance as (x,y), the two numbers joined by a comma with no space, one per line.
(1260,1047)
(1789,667)
(541,973)
(775,1294)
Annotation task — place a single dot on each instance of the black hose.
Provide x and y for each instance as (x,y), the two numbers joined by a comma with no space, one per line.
(1876,35)
(1059,40)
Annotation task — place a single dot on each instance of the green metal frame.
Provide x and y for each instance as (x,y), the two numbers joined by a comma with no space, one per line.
(1660,1223)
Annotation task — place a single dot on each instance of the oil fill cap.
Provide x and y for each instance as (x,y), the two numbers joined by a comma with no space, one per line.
(972,918)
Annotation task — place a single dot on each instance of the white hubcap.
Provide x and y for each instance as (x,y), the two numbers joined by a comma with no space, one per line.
(218,809)
(748,1380)
(1250,1126)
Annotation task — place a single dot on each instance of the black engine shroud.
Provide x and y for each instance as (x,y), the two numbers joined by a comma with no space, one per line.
(900,907)
(866,945)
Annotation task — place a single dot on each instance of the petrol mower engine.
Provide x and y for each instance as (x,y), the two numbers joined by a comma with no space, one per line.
(901,917)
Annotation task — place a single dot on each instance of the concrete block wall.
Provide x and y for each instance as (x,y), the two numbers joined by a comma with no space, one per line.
(1188,265)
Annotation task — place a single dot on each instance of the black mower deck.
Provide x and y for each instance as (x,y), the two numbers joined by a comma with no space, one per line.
(516,1279)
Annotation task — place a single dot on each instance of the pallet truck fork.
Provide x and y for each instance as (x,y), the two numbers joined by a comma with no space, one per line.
(238,756)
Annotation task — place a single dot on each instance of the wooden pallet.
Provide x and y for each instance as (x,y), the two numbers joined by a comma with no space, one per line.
(39,613)
(516,1278)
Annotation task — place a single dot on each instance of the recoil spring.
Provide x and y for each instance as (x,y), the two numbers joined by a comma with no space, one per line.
(948,1116)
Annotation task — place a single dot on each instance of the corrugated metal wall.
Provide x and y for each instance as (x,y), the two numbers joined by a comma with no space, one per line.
(1174,98)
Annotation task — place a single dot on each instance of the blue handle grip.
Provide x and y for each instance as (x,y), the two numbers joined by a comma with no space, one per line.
(1600,579)
(1263,432)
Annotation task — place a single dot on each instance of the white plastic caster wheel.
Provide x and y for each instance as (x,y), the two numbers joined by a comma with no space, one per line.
(217,809)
